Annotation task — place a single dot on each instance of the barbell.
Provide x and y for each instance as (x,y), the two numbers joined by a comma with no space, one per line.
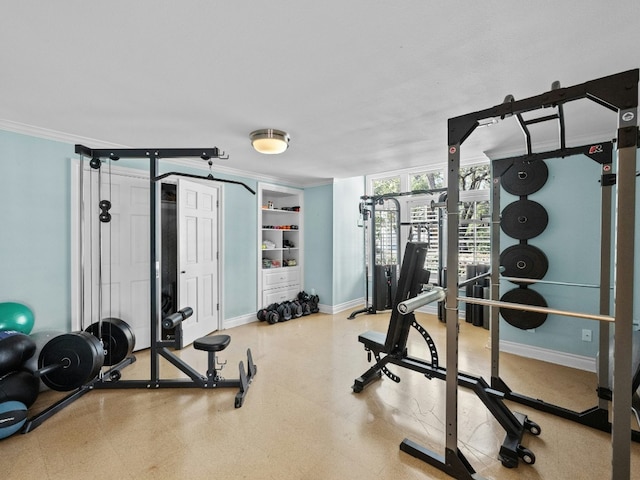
(70,360)
(437,293)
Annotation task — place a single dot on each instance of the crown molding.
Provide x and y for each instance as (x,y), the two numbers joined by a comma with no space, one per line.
(57,136)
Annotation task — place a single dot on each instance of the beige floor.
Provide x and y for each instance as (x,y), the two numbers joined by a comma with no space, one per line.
(301,419)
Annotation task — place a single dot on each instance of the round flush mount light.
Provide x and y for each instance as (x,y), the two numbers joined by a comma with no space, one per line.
(269,140)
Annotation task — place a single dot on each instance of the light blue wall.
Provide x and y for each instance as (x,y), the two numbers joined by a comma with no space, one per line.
(348,244)
(318,242)
(35,224)
(35,241)
(240,249)
(35,227)
(571,243)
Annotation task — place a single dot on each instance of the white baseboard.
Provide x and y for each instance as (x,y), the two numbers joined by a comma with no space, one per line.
(552,356)
(333,309)
(237,321)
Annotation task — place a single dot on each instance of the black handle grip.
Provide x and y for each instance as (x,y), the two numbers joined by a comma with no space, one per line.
(172,321)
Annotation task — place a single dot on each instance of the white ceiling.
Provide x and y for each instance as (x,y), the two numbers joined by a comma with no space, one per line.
(362,86)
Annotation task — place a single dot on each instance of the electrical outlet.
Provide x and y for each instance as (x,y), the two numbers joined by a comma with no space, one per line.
(586,335)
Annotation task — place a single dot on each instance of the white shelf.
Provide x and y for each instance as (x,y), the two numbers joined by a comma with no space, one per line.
(277,280)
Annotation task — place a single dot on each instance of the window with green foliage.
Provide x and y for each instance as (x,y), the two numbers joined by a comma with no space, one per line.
(474,233)
(475,177)
(382,186)
(426,180)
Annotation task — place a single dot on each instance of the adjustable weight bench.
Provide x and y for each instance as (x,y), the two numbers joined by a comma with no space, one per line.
(392,349)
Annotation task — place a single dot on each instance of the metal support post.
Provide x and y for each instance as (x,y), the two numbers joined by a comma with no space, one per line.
(494,317)
(453,221)
(604,381)
(624,273)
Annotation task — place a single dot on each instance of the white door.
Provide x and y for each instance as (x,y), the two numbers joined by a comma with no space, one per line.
(198,257)
(116,275)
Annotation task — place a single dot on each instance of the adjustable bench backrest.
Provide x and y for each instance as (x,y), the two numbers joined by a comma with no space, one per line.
(412,276)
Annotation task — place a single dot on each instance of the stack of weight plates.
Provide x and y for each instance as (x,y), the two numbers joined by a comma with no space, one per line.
(523,220)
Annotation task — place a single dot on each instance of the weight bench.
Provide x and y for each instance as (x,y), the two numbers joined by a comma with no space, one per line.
(210,344)
(392,349)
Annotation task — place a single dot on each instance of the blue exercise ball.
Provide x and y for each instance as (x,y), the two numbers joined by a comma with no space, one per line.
(16,316)
(13,415)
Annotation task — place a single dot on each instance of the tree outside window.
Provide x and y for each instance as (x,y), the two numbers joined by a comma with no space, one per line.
(427,180)
(383,186)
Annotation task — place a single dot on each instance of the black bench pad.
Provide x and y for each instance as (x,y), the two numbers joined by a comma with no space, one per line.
(373,340)
(213,343)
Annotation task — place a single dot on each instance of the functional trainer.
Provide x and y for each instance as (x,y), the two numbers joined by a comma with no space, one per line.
(161,348)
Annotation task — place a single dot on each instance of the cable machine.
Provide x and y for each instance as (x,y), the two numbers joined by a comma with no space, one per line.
(382,223)
(162,348)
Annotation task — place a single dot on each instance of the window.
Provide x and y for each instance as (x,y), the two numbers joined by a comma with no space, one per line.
(386,185)
(474,233)
(427,180)
(425,228)
(475,177)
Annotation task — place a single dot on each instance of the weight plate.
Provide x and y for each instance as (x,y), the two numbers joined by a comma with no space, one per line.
(518,318)
(524,261)
(117,338)
(524,219)
(525,178)
(80,356)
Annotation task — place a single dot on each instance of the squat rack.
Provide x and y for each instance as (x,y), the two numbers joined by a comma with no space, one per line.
(619,93)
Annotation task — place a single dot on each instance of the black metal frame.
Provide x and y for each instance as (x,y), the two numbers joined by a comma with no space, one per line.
(370,203)
(598,416)
(619,93)
(110,375)
(160,348)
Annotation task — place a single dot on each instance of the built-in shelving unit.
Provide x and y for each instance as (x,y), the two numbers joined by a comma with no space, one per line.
(280,243)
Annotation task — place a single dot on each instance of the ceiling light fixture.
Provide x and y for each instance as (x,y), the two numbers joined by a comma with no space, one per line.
(269,140)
